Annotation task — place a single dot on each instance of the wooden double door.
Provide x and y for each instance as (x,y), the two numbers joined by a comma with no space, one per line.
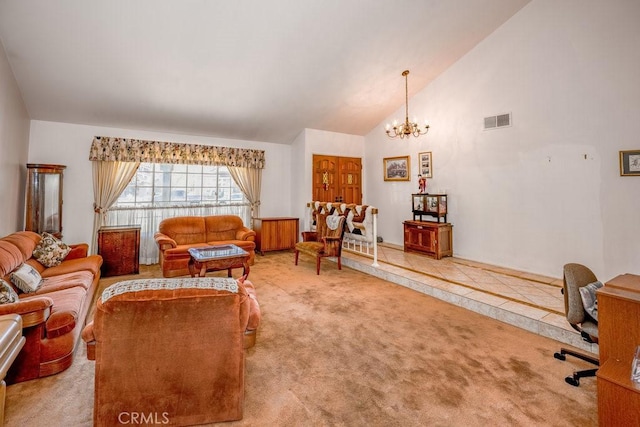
(337,179)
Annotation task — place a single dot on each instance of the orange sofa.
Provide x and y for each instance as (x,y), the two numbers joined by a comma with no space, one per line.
(177,235)
(54,315)
(187,366)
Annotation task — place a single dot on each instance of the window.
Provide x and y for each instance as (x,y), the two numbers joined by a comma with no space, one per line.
(168,185)
(159,191)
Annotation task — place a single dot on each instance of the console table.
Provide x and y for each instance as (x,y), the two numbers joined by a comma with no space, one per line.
(618,336)
(432,238)
(275,234)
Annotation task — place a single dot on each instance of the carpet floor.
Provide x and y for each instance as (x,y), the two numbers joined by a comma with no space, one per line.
(347,349)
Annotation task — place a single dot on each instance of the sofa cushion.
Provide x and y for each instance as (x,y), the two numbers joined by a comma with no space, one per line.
(184,230)
(50,251)
(67,306)
(26,278)
(25,241)
(10,258)
(83,279)
(222,227)
(7,294)
(91,263)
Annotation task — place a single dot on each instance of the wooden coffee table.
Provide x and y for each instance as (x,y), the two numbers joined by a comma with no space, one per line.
(216,258)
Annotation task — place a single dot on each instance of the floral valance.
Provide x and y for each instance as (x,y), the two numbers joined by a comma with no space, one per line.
(105,148)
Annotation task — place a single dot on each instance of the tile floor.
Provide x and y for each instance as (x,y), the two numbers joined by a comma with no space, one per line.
(525,300)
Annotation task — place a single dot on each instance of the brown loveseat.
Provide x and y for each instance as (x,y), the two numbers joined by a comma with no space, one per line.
(177,235)
(187,365)
(54,315)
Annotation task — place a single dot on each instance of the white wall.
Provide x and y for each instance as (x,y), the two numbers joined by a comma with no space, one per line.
(14,146)
(68,144)
(313,141)
(547,190)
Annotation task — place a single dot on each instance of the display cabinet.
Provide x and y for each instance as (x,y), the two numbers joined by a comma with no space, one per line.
(44,199)
(434,205)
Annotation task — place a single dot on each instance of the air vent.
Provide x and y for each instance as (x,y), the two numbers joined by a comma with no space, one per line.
(498,121)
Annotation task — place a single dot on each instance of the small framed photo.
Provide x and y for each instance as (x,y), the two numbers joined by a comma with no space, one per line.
(396,168)
(425,164)
(630,163)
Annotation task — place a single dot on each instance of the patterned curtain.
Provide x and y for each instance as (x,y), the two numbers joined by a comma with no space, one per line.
(105,148)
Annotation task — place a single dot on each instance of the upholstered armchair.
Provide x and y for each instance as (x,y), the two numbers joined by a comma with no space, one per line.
(171,351)
(326,241)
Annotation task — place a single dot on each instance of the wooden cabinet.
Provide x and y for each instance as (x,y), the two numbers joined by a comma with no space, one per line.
(275,234)
(432,238)
(120,250)
(44,199)
(619,335)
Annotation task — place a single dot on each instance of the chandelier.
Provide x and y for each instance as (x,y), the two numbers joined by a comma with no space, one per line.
(406,129)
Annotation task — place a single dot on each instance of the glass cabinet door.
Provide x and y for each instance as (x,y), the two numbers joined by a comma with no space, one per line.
(44,199)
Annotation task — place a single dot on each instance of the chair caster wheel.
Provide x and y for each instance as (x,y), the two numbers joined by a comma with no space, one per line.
(559,356)
(572,381)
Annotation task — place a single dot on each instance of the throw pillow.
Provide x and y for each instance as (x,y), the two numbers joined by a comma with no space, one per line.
(7,294)
(589,301)
(50,251)
(26,278)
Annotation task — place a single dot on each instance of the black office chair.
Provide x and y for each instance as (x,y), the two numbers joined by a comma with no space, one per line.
(576,276)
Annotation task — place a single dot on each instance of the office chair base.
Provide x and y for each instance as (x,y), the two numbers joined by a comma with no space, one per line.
(563,352)
(574,380)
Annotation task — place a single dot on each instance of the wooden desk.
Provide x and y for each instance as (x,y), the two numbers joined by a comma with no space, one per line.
(619,335)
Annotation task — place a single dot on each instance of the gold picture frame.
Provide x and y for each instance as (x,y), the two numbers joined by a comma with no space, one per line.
(630,163)
(397,168)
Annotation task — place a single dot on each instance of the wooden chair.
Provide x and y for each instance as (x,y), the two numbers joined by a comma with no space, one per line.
(326,241)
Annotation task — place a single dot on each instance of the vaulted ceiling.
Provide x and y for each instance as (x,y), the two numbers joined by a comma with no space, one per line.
(258,70)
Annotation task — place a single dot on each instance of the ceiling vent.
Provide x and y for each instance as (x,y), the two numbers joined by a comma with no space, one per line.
(499,121)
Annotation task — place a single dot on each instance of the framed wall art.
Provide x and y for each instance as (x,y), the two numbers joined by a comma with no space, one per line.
(425,164)
(630,163)
(396,168)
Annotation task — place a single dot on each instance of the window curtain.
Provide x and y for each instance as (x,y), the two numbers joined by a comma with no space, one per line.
(106,152)
(250,182)
(109,181)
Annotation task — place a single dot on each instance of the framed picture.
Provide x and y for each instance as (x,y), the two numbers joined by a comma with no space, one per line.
(424,164)
(630,163)
(396,168)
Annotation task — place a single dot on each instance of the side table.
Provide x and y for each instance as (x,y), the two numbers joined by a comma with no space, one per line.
(11,342)
(275,234)
(120,249)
